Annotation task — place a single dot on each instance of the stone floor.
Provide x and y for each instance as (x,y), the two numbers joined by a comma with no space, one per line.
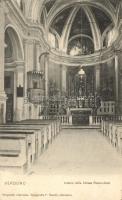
(77,152)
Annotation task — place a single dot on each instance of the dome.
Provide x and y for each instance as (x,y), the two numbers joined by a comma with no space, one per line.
(79,28)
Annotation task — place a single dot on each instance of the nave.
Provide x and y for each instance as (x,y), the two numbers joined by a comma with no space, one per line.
(77,152)
(60,67)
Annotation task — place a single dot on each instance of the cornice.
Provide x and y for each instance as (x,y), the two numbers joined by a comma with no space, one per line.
(98,57)
(16,63)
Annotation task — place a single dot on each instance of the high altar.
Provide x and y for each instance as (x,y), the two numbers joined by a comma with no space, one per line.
(80,116)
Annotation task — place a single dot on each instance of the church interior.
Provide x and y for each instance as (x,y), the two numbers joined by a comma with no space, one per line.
(61,86)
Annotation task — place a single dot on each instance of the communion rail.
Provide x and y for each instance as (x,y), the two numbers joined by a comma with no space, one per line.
(93,120)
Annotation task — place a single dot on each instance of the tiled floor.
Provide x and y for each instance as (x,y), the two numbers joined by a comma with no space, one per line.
(77,152)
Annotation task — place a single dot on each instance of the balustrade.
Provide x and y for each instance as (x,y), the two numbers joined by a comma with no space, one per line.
(65,120)
(97,120)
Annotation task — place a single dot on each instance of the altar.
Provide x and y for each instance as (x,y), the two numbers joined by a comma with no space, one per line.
(80,116)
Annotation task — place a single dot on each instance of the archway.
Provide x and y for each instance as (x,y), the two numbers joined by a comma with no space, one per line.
(13,72)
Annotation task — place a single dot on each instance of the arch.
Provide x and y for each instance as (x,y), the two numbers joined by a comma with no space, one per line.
(57,9)
(80,48)
(43,17)
(81,35)
(69,22)
(36,8)
(119,13)
(18,51)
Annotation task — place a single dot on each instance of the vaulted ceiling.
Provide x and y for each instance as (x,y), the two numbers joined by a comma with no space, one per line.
(35,7)
(78,22)
(73,19)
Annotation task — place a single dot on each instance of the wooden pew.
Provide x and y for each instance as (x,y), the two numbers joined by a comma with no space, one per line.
(39,134)
(104,127)
(119,139)
(56,124)
(109,132)
(113,130)
(35,125)
(36,134)
(48,131)
(52,124)
(16,149)
(117,136)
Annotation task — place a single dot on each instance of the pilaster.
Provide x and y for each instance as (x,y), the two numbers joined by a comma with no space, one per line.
(97,77)
(64,79)
(2,46)
(46,76)
(118,66)
(29,61)
(19,93)
(116,77)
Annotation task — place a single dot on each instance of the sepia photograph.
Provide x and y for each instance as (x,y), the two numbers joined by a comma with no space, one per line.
(60,99)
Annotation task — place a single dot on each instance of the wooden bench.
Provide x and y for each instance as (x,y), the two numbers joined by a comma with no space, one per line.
(17,149)
(113,131)
(36,134)
(39,134)
(42,130)
(48,131)
(117,136)
(55,124)
(104,127)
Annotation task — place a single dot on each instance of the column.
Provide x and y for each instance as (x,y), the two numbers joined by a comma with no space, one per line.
(37,57)
(69,83)
(118,80)
(29,62)
(97,77)
(19,93)
(2,46)
(116,77)
(46,75)
(64,79)
(120,95)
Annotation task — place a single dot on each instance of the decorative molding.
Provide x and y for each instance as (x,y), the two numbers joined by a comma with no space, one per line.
(96,58)
(14,64)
